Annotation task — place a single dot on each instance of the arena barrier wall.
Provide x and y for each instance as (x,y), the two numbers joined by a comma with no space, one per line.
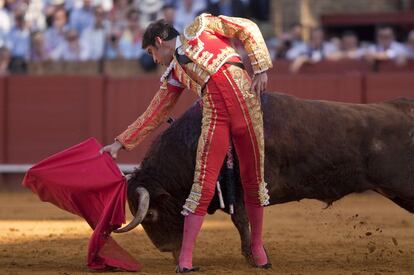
(41,115)
(126,99)
(386,86)
(46,114)
(338,87)
(3,112)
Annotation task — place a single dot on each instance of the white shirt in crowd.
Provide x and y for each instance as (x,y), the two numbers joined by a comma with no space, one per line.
(395,50)
(183,17)
(5,21)
(92,42)
(315,55)
(53,38)
(18,41)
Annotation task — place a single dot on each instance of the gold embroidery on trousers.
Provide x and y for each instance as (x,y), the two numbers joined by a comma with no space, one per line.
(203,147)
(254,112)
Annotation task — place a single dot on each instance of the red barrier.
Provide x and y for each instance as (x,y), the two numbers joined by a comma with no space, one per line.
(325,67)
(385,86)
(343,66)
(127,98)
(344,87)
(337,67)
(392,66)
(48,114)
(43,115)
(3,113)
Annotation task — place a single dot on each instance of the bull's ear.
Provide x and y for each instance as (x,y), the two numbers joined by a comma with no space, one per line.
(160,197)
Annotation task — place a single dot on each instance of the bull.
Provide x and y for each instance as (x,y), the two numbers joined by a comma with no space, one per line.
(314,149)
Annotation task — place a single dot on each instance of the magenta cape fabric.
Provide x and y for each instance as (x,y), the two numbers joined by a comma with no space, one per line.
(84,182)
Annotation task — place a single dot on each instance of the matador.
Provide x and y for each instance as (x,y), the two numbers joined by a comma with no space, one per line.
(203,60)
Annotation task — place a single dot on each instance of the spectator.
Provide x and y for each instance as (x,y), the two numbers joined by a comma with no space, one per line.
(4,60)
(38,49)
(386,48)
(291,39)
(19,44)
(168,12)
(409,46)
(76,4)
(295,35)
(71,5)
(5,19)
(150,10)
(34,15)
(118,14)
(349,47)
(70,50)
(227,7)
(93,39)
(50,8)
(316,50)
(131,39)
(82,18)
(187,10)
(55,35)
(106,5)
(112,49)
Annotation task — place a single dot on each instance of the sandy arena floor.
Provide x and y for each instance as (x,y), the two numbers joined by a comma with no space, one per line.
(361,234)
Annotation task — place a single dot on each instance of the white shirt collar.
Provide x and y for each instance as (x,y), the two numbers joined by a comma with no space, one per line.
(177,42)
(178,45)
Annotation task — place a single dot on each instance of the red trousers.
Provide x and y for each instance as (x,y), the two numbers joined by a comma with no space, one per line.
(230,111)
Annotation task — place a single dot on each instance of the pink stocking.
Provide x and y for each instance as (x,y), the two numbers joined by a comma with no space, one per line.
(192,225)
(255,215)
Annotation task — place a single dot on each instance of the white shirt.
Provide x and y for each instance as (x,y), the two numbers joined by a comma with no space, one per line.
(93,43)
(171,80)
(395,50)
(5,21)
(184,17)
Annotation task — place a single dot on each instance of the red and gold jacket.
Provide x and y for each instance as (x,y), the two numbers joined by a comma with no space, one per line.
(207,43)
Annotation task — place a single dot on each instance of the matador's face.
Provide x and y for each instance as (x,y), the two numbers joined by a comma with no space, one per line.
(161,53)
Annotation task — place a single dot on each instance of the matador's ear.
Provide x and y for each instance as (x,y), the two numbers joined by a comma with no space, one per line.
(158,41)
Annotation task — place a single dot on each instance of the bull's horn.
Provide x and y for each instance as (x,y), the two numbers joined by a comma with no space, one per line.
(143,204)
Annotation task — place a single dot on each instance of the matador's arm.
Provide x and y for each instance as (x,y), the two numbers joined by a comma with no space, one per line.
(156,113)
(249,34)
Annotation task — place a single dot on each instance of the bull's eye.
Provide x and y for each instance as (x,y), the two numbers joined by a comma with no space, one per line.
(152,215)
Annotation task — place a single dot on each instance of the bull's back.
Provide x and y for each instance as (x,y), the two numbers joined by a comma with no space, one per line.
(323,150)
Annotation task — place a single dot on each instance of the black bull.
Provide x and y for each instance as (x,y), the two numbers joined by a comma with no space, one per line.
(314,149)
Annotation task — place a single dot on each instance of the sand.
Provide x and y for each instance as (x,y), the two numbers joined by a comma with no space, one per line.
(361,234)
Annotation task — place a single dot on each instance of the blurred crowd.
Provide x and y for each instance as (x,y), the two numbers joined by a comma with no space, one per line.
(94,30)
(346,46)
(85,30)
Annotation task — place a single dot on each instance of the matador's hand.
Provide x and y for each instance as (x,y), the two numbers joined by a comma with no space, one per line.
(112,149)
(259,83)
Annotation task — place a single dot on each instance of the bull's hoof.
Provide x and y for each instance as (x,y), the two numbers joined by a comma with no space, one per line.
(247,254)
(179,269)
(249,259)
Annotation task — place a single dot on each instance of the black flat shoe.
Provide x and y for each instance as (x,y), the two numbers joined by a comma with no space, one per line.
(265,266)
(178,269)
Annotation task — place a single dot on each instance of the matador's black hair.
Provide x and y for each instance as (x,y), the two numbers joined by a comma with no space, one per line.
(160,28)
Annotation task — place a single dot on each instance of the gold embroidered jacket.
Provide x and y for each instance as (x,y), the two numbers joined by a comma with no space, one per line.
(206,42)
